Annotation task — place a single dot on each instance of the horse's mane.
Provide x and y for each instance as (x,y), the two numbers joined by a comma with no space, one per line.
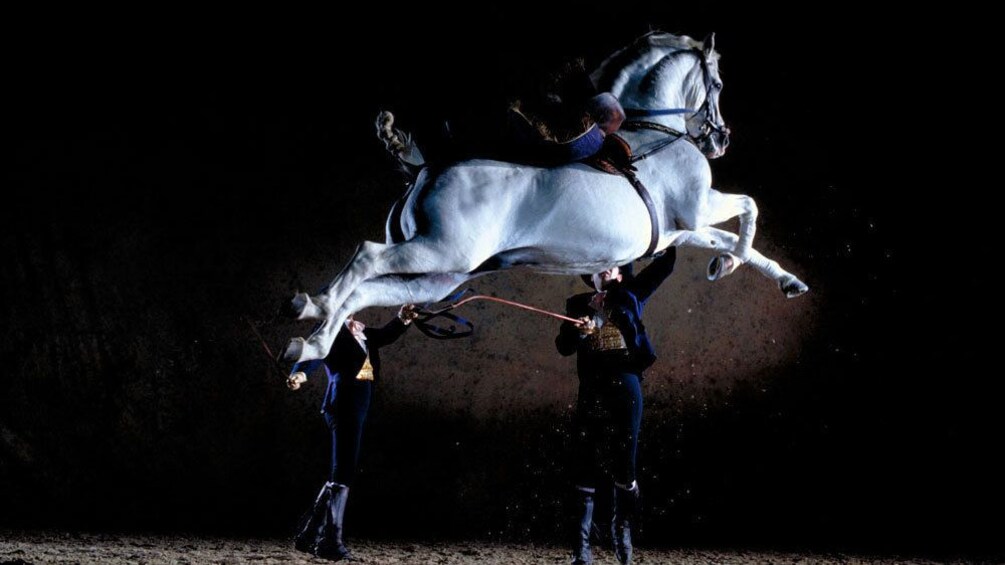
(608,70)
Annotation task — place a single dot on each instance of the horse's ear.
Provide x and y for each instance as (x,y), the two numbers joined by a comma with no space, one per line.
(708,44)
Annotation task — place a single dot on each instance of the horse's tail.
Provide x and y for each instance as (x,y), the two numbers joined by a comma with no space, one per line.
(398,143)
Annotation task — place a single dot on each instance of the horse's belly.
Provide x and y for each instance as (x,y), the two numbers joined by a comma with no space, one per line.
(565,220)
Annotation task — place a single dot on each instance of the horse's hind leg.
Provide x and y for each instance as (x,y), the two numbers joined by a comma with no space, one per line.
(416,256)
(394,290)
(318,307)
(387,290)
(722,240)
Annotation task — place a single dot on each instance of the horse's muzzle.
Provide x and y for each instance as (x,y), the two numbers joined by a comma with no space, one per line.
(715,144)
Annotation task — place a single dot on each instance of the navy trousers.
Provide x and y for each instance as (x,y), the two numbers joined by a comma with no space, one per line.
(345,413)
(606,426)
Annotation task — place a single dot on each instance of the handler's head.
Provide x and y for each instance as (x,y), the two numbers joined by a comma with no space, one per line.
(603,279)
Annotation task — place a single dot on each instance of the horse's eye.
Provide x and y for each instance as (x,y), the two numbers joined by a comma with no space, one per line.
(717,85)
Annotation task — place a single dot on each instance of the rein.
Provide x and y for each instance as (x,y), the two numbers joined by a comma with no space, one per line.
(451,332)
(643,113)
(673,134)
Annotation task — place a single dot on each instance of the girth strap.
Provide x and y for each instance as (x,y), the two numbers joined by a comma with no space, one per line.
(654,233)
(615,157)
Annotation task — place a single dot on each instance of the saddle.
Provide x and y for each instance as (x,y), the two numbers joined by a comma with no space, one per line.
(614,156)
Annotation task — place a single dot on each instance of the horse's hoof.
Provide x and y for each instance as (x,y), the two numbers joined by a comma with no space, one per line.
(294,349)
(301,307)
(792,287)
(295,307)
(722,265)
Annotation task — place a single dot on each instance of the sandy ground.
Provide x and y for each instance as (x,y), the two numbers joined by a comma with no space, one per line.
(46,547)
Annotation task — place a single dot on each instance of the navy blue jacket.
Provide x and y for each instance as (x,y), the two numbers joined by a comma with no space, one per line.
(627,298)
(346,356)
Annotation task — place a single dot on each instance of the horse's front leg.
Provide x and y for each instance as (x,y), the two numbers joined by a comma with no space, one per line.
(722,207)
(722,240)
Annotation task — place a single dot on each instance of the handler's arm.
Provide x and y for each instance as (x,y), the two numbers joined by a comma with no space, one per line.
(379,337)
(646,282)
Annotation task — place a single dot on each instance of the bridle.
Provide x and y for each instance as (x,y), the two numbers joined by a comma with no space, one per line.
(708,126)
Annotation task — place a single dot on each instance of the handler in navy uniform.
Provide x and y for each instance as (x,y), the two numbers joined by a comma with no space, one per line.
(613,351)
(353,366)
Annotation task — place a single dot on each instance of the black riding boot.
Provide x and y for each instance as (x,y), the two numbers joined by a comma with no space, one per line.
(626,508)
(313,524)
(583,507)
(330,546)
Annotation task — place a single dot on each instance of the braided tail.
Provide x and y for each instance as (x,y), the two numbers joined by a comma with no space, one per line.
(398,143)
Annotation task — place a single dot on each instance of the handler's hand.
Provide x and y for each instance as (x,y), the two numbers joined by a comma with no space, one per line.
(586,325)
(407,313)
(294,381)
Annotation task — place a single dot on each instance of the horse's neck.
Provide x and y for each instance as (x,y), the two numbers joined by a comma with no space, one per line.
(675,92)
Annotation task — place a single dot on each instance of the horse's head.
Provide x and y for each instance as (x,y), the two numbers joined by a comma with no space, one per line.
(706,126)
(670,79)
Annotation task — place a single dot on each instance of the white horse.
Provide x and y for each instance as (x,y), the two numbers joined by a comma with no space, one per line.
(481,215)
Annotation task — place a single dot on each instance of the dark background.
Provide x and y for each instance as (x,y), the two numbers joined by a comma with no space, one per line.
(172,177)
